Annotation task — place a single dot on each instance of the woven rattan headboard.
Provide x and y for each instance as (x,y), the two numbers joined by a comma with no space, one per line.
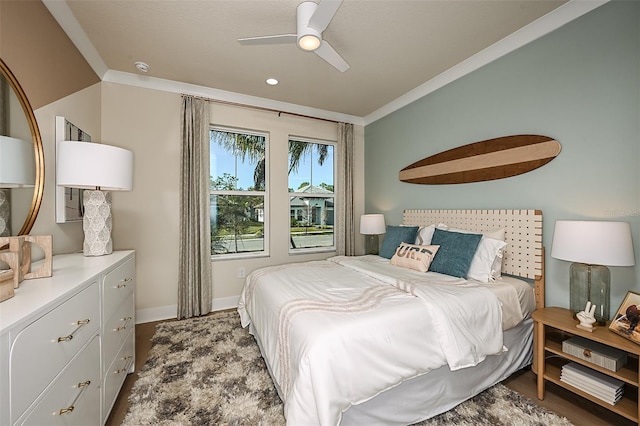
(523,257)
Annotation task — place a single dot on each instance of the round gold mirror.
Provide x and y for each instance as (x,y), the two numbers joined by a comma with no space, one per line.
(21,158)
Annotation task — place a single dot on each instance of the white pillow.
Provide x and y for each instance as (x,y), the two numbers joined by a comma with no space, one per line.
(486,264)
(425,233)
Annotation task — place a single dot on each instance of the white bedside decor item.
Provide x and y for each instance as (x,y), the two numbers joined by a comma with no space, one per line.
(96,168)
(587,317)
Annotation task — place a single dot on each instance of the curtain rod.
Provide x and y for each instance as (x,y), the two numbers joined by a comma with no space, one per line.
(295,114)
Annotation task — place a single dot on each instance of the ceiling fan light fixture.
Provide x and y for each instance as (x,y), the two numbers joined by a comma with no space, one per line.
(309,42)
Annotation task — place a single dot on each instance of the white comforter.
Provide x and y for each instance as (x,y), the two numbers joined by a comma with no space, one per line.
(338,332)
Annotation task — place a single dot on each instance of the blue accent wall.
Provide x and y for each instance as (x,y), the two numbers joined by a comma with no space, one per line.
(580,85)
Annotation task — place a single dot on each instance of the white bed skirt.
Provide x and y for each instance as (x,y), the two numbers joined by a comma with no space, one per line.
(440,390)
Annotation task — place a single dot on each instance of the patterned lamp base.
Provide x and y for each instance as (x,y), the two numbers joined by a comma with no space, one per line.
(5,212)
(97,224)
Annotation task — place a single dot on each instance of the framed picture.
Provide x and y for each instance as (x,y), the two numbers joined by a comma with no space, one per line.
(626,321)
(69,207)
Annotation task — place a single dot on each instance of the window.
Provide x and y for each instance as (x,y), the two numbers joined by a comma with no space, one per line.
(311,195)
(238,191)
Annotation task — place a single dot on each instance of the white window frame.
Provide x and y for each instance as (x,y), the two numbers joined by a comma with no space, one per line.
(265,194)
(332,248)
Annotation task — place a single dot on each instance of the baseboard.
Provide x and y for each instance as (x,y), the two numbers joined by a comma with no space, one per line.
(169,312)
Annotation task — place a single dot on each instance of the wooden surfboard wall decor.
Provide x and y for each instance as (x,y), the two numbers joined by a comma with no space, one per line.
(482,161)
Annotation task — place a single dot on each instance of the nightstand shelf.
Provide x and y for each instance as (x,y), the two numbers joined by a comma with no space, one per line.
(553,326)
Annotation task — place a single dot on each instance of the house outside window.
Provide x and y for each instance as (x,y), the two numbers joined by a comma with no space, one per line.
(238,192)
(311,195)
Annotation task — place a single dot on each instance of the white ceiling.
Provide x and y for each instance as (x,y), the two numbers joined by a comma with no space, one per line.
(398,50)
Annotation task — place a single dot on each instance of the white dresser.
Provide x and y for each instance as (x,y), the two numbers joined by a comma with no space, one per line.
(67,342)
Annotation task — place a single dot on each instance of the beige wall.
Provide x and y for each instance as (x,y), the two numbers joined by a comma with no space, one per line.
(147,218)
(82,109)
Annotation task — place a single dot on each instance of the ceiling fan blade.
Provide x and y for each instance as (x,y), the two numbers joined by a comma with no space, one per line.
(329,54)
(274,39)
(320,19)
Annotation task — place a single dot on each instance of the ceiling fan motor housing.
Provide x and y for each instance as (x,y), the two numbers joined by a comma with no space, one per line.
(308,38)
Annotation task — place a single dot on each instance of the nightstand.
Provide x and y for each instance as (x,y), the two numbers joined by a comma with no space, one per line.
(552,327)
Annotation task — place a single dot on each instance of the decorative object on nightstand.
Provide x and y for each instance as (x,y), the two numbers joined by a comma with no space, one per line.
(591,245)
(625,321)
(587,317)
(96,168)
(372,225)
(17,170)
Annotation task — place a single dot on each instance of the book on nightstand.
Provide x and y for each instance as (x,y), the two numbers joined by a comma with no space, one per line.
(594,383)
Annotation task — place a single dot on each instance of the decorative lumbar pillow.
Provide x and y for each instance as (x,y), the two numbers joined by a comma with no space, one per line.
(414,256)
(455,253)
(394,236)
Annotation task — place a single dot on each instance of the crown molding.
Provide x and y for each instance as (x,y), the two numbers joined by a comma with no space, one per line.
(70,25)
(171,86)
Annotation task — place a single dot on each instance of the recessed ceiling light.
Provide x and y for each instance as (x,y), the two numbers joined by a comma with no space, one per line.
(142,67)
(272,81)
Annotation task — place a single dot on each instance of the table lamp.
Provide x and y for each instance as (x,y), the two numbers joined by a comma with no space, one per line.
(17,170)
(96,168)
(372,225)
(592,246)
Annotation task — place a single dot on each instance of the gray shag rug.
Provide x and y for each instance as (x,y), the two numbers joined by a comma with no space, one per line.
(209,371)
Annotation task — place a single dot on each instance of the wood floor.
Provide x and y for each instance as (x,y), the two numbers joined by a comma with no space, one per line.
(578,410)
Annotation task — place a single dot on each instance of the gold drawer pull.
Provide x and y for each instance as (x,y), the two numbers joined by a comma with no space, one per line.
(127,358)
(124,283)
(80,324)
(83,387)
(587,353)
(126,323)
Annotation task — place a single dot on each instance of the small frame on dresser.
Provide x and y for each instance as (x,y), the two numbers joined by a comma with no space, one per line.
(627,318)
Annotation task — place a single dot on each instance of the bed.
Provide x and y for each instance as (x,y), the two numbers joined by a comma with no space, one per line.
(361,340)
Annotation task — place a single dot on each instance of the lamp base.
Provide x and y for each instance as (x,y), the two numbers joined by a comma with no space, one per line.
(5,212)
(371,245)
(97,223)
(590,283)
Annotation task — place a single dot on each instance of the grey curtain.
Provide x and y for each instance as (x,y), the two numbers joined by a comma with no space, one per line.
(345,234)
(194,274)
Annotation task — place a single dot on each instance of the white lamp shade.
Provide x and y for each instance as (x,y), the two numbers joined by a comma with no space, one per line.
(17,163)
(89,165)
(593,242)
(372,224)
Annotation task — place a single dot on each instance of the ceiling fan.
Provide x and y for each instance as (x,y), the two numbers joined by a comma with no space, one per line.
(312,20)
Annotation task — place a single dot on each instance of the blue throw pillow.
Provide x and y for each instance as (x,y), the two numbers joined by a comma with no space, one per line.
(455,253)
(396,235)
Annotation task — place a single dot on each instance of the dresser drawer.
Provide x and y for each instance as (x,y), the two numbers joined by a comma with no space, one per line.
(116,330)
(41,350)
(116,373)
(118,285)
(74,397)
